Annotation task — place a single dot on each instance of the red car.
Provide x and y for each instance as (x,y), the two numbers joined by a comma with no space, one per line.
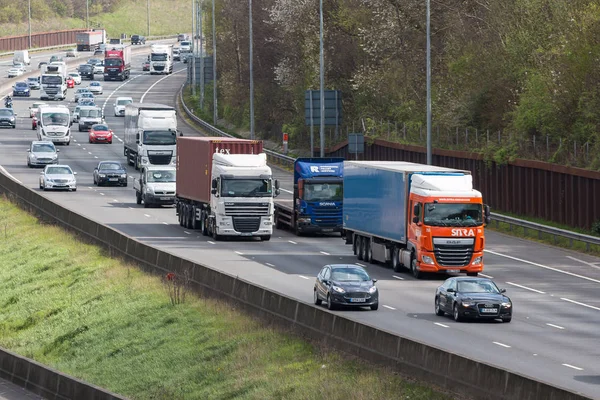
(100,134)
(70,82)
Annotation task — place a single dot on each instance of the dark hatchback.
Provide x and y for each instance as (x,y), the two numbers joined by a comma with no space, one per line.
(476,298)
(110,172)
(86,71)
(137,39)
(346,285)
(21,89)
(8,118)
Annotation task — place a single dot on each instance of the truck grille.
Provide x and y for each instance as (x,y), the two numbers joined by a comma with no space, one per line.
(245,209)
(327,216)
(51,90)
(159,159)
(246,224)
(159,67)
(55,134)
(453,252)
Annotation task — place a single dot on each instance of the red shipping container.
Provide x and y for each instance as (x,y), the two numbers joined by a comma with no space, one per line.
(194,162)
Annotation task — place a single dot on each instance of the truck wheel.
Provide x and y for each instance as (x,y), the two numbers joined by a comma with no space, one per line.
(396,260)
(413,268)
(265,238)
(276,219)
(215,236)
(138,198)
(366,245)
(359,247)
(354,246)
(203,224)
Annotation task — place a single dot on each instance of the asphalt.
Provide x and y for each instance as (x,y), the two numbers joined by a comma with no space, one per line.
(554,333)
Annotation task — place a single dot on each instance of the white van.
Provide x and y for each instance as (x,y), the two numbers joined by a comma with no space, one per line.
(21,56)
(54,123)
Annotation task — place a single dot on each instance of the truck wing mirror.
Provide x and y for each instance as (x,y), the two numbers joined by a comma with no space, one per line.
(180,133)
(276,184)
(214,184)
(486,210)
(417,209)
(416,220)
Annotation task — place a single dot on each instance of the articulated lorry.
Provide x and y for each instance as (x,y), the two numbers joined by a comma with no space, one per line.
(117,62)
(424,218)
(224,187)
(161,59)
(90,40)
(53,82)
(150,134)
(316,206)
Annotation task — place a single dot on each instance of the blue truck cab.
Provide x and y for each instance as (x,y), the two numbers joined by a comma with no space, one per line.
(317,199)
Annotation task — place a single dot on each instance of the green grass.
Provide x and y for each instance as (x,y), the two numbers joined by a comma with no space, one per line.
(66,305)
(166,17)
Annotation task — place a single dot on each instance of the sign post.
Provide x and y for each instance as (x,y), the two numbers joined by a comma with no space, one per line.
(285,143)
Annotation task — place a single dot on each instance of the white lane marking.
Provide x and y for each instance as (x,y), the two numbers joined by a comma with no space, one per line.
(239,252)
(324,253)
(83,148)
(131,208)
(120,140)
(398,277)
(303,277)
(101,194)
(526,288)
(572,366)
(292,242)
(158,81)
(95,156)
(147,215)
(362,265)
(543,266)
(130,176)
(555,326)
(187,233)
(442,325)
(5,172)
(211,242)
(269,264)
(165,223)
(287,191)
(90,153)
(502,344)
(589,264)
(117,89)
(391,308)
(486,276)
(581,304)
(78,144)
(115,200)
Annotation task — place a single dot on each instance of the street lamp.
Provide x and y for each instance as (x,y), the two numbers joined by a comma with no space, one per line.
(251,74)
(322,84)
(429,161)
(29,13)
(87,14)
(214,34)
(148,18)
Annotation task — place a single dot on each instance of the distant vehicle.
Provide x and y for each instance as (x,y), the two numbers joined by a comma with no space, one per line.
(58,177)
(476,298)
(41,153)
(138,39)
(79,92)
(14,72)
(155,186)
(185,46)
(100,133)
(86,71)
(110,172)
(71,53)
(70,82)
(181,37)
(76,77)
(115,41)
(119,106)
(345,285)
(8,118)
(98,51)
(86,103)
(34,123)
(22,57)
(94,61)
(75,117)
(90,40)
(41,64)
(89,116)
(176,54)
(146,66)
(56,58)
(33,109)
(33,82)
(21,89)
(99,68)
(95,87)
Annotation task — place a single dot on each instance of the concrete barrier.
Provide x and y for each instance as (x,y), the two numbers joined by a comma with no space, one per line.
(452,372)
(46,382)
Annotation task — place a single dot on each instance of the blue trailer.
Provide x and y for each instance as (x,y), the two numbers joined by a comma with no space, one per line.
(318,196)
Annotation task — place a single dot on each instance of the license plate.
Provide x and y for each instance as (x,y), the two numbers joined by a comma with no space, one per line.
(165,198)
(489,310)
(453,271)
(357,300)
(246,234)
(113,179)
(328,230)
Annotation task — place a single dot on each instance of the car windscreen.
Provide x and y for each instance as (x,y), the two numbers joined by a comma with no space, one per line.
(161,176)
(6,113)
(110,166)
(58,171)
(89,113)
(52,79)
(349,275)
(21,85)
(477,287)
(100,128)
(123,102)
(113,62)
(55,118)
(43,148)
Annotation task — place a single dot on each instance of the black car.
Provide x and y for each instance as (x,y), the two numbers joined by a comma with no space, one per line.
(346,285)
(8,118)
(41,64)
(86,71)
(21,89)
(110,172)
(137,39)
(477,298)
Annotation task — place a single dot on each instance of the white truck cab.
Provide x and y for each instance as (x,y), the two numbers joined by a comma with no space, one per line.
(53,123)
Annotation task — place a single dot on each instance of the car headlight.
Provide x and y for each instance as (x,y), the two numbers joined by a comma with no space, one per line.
(54,156)
(478,260)
(468,303)
(427,260)
(338,289)
(102,176)
(506,305)
(123,175)
(12,118)
(149,189)
(32,156)
(373,289)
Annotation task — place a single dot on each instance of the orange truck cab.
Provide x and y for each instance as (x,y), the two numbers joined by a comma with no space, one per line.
(423,218)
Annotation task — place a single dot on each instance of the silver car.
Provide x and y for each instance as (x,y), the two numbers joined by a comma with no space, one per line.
(41,153)
(79,92)
(95,87)
(88,116)
(58,177)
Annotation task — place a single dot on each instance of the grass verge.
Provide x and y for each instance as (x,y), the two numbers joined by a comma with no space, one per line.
(64,304)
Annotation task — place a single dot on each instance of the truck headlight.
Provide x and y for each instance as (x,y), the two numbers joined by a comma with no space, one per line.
(149,189)
(427,260)
(478,260)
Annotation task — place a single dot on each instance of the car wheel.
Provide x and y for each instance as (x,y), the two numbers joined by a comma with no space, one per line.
(110,142)
(438,310)
(265,238)
(125,184)
(375,306)
(396,260)
(507,319)
(146,204)
(94,177)
(316,298)
(456,314)
(330,305)
(75,189)
(41,186)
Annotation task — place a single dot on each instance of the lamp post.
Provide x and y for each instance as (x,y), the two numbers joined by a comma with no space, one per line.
(29,13)
(87,14)
(148,18)
(200,31)
(429,156)
(192,61)
(322,79)
(214,34)
(251,74)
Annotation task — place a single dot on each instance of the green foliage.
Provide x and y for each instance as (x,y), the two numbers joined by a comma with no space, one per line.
(596,228)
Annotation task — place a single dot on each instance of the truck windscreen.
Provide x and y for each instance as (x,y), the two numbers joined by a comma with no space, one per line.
(51,80)
(161,176)
(55,118)
(453,214)
(113,62)
(165,138)
(246,188)
(323,192)
(158,57)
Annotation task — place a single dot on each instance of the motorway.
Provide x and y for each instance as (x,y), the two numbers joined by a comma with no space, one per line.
(553,336)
